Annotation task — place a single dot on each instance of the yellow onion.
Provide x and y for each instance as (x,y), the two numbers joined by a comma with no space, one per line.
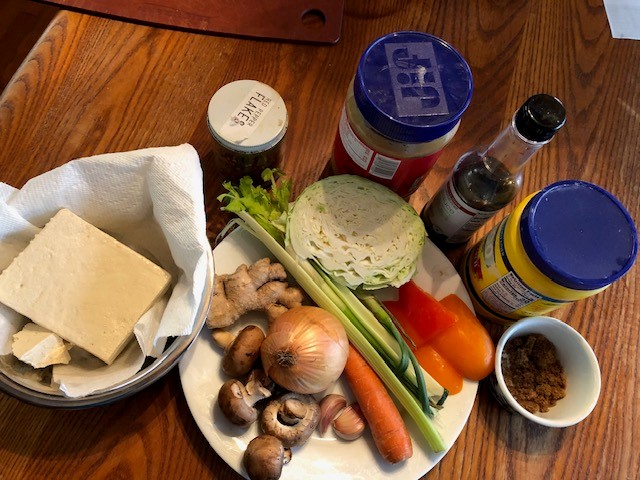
(305,350)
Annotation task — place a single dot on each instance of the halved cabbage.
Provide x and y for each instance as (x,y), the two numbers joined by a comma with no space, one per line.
(359,231)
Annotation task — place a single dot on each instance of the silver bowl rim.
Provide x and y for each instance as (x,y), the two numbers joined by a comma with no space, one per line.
(142,379)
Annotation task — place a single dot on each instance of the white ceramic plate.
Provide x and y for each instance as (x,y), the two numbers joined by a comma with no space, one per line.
(321,457)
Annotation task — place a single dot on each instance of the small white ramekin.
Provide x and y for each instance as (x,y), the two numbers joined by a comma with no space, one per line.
(578,361)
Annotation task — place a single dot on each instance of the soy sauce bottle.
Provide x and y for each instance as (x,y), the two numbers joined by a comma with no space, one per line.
(485,180)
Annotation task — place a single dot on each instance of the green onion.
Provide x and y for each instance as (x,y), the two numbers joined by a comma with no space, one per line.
(373,304)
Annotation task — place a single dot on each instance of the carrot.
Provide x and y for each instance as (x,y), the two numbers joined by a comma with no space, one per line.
(388,429)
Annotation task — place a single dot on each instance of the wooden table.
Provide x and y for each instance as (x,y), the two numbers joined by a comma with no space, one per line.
(94,85)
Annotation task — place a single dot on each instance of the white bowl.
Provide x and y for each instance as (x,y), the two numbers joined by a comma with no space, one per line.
(578,361)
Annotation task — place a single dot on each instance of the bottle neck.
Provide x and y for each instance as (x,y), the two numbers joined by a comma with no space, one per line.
(512,150)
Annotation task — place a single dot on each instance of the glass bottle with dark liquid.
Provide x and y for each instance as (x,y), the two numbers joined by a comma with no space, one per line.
(483,181)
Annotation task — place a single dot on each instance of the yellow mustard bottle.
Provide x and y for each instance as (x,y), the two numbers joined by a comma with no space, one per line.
(564,243)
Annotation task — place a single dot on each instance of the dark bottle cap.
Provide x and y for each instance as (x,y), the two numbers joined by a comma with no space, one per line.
(540,117)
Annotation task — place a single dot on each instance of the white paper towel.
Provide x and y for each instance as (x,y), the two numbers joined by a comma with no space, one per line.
(151,200)
(624,18)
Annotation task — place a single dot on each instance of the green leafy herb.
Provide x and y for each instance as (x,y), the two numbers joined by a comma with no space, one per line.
(267,206)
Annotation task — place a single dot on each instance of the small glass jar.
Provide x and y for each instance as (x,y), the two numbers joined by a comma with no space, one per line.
(402,108)
(564,243)
(248,120)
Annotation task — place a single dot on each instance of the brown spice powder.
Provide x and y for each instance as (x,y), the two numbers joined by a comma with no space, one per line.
(532,372)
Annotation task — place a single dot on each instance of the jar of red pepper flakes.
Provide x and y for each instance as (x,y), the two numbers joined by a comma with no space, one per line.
(248,120)
(402,108)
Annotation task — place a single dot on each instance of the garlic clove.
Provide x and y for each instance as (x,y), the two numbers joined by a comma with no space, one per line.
(330,407)
(350,423)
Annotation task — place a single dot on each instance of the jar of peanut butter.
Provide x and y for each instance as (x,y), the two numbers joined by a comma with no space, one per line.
(402,108)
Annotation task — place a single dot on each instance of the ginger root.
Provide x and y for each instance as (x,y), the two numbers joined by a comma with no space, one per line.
(260,286)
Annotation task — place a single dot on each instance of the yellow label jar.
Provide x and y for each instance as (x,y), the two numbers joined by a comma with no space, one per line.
(566,242)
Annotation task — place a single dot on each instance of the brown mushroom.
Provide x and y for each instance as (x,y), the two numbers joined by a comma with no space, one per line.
(292,418)
(264,457)
(258,379)
(240,351)
(238,404)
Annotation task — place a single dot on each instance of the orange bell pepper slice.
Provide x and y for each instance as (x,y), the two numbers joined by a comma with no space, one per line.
(440,369)
(423,318)
(420,314)
(451,343)
(467,345)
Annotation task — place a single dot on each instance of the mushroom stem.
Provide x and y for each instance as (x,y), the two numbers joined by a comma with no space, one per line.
(222,337)
(292,411)
(237,403)
(259,380)
(292,418)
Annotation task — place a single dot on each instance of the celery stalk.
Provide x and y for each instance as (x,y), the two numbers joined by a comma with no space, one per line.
(320,294)
(383,316)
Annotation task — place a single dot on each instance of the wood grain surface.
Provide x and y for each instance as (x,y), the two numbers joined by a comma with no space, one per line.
(93,85)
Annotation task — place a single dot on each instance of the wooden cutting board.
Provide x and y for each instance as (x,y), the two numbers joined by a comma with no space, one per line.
(318,21)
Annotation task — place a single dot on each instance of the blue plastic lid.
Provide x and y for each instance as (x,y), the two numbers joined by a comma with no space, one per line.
(412,87)
(579,235)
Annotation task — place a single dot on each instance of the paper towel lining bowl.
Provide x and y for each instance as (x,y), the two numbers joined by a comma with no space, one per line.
(145,377)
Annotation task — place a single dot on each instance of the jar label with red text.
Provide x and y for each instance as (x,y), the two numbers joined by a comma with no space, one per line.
(352,155)
(497,291)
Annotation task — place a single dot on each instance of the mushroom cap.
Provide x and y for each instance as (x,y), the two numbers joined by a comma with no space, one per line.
(292,418)
(241,354)
(232,399)
(264,457)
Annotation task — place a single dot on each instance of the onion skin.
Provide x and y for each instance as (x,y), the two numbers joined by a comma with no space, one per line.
(305,350)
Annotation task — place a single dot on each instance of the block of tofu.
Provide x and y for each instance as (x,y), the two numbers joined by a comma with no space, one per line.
(39,347)
(83,285)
